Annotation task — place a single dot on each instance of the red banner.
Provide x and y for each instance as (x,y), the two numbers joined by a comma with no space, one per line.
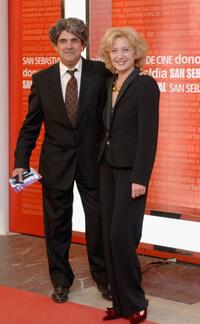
(30,51)
(171,29)
(172,33)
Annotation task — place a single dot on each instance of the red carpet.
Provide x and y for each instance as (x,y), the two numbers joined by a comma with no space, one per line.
(22,307)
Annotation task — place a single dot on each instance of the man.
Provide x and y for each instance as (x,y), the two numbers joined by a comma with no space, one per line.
(68,98)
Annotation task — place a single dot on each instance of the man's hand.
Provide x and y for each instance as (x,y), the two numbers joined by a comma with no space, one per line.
(18,172)
(137,190)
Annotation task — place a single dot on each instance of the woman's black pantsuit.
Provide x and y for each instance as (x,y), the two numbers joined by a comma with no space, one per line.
(122,226)
(127,156)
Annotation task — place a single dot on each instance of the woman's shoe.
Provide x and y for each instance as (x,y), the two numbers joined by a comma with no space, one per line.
(138,317)
(111,314)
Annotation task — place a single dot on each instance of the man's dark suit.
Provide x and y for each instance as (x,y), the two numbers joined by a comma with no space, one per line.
(67,154)
(127,156)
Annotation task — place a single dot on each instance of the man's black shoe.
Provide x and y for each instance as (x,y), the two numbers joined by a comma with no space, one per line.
(105,291)
(60,294)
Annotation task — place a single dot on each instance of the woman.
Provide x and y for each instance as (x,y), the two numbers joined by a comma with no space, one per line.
(127,156)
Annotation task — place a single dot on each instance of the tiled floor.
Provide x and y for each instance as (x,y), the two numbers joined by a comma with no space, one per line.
(173,289)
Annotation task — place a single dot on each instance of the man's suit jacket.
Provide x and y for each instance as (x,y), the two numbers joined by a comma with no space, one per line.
(131,132)
(64,146)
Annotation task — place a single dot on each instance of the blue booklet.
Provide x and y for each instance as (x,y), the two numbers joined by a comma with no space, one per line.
(29,176)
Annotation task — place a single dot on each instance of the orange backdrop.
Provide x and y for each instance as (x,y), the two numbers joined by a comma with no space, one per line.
(172,33)
(30,50)
(173,37)
(171,30)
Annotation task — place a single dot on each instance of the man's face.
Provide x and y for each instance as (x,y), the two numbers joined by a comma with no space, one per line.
(69,48)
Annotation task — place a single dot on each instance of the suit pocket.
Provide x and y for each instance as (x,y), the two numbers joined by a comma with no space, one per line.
(122,157)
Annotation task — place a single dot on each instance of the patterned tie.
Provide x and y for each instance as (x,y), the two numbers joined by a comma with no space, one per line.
(71,97)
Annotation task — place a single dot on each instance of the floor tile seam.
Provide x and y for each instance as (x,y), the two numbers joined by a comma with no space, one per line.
(164,299)
(150,297)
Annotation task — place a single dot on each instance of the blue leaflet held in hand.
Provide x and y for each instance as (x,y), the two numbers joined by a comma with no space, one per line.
(29,177)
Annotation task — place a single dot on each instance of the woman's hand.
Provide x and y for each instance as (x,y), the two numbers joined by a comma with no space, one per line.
(137,190)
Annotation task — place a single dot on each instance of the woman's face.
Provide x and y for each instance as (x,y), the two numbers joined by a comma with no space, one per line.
(122,55)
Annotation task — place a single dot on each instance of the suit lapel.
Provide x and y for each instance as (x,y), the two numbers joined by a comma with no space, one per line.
(56,92)
(109,96)
(108,106)
(88,81)
(125,85)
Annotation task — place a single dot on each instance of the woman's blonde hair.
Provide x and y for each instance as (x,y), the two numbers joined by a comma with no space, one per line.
(137,43)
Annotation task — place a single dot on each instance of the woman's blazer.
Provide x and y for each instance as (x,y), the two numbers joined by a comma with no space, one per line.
(131,133)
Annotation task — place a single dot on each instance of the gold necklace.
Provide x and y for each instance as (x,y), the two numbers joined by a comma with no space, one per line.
(115,88)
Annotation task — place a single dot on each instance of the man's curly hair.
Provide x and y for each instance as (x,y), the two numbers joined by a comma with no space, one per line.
(72,25)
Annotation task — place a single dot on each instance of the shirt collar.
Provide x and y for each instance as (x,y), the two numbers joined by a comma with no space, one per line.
(64,68)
